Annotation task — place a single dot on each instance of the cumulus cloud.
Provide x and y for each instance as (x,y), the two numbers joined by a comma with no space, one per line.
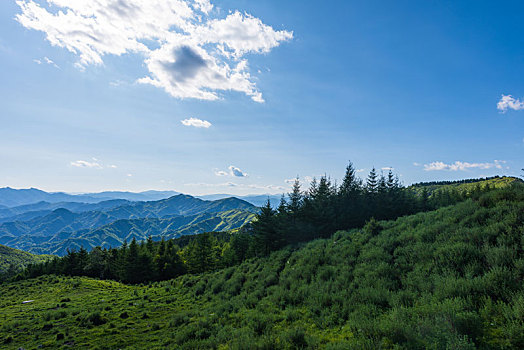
(189,50)
(197,123)
(509,102)
(458,165)
(86,164)
(234,171)
(221,173)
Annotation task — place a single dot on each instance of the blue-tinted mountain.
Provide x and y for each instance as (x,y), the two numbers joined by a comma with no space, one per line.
(10,197)
(258,200)
(116,232)
(30,211)
(134,196)
(189,215)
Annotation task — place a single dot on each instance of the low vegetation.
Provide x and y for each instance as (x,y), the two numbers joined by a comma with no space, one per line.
(450,278)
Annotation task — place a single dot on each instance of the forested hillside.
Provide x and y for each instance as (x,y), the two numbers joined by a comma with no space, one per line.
(113,222)
(14,260)
(444,279)
(315,213)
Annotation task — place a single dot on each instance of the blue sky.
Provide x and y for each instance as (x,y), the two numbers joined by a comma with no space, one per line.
(110,96)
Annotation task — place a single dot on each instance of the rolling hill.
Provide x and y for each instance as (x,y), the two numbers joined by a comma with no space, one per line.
(444,279)
(56,231)
(16,259)
(115,233)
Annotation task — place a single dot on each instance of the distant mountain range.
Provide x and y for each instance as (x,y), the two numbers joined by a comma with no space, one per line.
(10,197)
(255,199)
(53,228)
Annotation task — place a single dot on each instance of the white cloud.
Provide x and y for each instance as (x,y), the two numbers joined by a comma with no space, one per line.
(129,175)
(188,50)
(86,164)
(46,60)
(238,186)
(458,165)
(197,123)
(113,166)
(387,168)
(221,173)
(234,171)
(117,83)
(416,164)
(360,170)
(203,5)
(509,102)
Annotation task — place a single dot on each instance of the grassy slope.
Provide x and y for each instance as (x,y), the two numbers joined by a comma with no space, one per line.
(18,258)
(498,182)
(451,278)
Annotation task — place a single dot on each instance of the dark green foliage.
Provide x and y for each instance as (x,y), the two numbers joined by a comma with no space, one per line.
(444,279)
(316,213)
(14,260)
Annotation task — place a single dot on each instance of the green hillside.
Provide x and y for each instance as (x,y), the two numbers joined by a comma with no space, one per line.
(14,259)
(445,279)
(462,186)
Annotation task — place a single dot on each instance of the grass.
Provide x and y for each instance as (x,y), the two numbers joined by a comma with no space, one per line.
(446,279)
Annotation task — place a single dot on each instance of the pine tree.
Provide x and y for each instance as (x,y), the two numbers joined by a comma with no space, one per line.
(372,182)
(282,207)
(265,232)
(295,198)
(350,183)
(149,244)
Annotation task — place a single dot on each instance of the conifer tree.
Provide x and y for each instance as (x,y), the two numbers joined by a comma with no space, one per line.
(295,198)
(265,232)
(372,182)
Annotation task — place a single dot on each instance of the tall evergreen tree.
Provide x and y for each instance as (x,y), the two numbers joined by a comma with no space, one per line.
(295,198)
(372,182)
(265,231)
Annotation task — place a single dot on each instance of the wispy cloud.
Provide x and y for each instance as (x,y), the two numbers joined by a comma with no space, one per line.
(509,102)
(94,163)
(117,83)
(47,61)
(188,47)
(237,186)
(303,180)
(221,172)
(86,164)
(458,165)
(197,123)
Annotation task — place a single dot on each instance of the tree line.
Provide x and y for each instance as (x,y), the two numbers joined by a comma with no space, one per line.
(316,212)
